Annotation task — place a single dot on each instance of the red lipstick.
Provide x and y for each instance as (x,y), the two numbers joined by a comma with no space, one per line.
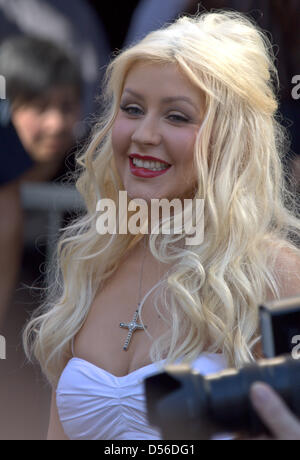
(148,158)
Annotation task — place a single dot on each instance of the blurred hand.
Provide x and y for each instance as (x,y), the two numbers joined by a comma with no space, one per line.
(274,413)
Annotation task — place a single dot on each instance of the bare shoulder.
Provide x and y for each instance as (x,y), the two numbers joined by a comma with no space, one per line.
(288,272)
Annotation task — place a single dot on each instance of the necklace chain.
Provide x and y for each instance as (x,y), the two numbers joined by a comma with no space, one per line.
(142,272)
(133,325)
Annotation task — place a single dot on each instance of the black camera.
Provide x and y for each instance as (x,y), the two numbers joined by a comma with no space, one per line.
(186,405)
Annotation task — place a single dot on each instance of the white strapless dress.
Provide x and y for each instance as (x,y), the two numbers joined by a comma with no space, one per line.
(94,404)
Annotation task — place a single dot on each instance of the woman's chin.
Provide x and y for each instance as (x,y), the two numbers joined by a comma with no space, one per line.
(144,195)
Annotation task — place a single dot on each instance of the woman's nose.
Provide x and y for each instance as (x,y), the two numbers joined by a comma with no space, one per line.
(147,131)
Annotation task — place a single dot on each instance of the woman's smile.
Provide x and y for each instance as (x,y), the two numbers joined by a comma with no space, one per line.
(146,166)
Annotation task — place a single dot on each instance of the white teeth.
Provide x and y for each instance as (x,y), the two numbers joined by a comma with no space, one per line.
(153,165)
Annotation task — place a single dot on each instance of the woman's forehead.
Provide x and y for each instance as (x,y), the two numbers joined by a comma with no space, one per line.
(166,79)
(145,67)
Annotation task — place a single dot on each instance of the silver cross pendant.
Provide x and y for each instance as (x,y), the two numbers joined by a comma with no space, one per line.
(132,327)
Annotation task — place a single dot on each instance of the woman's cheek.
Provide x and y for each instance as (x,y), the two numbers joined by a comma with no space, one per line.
(120,136)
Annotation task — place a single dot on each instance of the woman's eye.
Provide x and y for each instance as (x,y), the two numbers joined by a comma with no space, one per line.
(178,118)
(131,110)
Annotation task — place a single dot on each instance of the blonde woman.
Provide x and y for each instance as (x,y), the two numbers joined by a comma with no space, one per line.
(190,114)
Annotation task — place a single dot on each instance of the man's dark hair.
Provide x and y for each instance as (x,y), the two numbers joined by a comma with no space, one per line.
(32,66)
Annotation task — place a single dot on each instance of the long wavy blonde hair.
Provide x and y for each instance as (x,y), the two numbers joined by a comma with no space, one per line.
(213,289)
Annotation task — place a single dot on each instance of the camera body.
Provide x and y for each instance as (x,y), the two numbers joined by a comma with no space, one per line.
(280,327)
(187,405)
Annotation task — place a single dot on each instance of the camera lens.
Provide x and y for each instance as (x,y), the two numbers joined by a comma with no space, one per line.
(186,405)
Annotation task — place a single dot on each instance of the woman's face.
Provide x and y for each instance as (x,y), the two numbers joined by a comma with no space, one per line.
(159,117)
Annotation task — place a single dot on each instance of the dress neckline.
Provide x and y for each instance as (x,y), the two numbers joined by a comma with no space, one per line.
(100,369)
(156,364)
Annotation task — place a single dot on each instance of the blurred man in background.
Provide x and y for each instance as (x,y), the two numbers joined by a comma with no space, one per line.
(43,87)
(37,121)
(72,25)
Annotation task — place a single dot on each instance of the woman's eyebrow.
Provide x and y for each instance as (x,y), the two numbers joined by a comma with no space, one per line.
(165,100)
